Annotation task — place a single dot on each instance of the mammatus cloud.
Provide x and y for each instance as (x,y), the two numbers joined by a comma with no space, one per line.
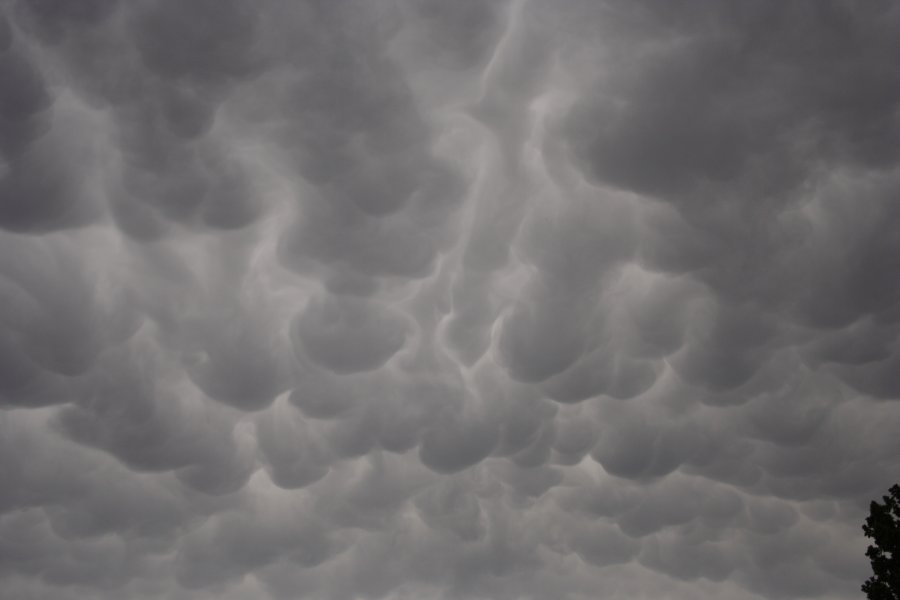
(422,299)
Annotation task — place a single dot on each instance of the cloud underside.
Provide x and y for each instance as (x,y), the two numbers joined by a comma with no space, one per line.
(426,299)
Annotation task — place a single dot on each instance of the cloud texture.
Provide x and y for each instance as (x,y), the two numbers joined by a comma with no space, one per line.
(455,300)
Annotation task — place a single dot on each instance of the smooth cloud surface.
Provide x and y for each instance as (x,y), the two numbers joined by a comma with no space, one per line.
(424,299)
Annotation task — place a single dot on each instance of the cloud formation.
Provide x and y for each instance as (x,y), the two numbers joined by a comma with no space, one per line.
(423,299)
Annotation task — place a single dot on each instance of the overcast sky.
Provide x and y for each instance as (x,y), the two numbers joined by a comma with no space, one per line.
(446,299)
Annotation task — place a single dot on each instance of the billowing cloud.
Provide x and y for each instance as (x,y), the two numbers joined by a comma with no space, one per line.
(422,299)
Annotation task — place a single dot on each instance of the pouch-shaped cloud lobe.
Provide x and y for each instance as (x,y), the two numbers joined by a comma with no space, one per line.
(423,299)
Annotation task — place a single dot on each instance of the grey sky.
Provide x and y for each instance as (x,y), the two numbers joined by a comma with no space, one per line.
(430,299)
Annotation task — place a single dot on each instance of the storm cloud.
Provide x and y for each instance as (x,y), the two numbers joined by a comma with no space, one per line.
(446,299)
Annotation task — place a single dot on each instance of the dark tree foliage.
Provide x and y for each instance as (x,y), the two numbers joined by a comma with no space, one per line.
(883,526)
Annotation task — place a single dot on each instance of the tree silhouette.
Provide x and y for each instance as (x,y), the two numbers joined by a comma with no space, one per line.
(883,526)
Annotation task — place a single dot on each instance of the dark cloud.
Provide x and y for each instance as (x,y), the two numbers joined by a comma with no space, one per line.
(446,299)
(348,335)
